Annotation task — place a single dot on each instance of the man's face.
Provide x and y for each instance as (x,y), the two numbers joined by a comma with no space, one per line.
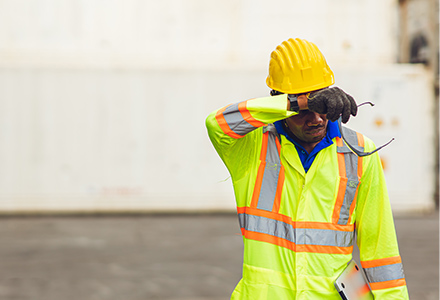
(308,127)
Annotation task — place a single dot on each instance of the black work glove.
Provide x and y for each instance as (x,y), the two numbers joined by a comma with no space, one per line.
(332,102)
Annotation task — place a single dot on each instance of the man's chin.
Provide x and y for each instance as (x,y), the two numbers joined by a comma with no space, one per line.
(315,138)
(316,135)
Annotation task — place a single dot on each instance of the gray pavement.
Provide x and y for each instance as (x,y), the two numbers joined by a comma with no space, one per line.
(167,257)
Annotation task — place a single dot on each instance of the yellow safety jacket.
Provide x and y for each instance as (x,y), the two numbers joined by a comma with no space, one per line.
(299,228)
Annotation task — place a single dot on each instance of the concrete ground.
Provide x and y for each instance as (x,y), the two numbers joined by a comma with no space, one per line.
(167,257)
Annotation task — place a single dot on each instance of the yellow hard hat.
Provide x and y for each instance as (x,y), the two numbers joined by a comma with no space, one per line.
(297,66)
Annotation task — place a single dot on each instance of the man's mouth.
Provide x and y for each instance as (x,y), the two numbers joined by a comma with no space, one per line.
(316,131)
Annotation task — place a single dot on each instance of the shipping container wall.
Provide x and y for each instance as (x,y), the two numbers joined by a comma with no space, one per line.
(103,103)
(114,140)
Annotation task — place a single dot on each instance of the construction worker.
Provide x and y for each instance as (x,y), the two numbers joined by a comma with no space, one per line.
(300,189)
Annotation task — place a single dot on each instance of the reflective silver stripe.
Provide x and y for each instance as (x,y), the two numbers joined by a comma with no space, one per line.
(270,177)
(299,236)
(345,149)
(351,170)
(385,273)
(351,166)
(271,128)
(351,137)
(235,120)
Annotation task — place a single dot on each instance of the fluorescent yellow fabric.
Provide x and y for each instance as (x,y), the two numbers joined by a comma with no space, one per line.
(274,272)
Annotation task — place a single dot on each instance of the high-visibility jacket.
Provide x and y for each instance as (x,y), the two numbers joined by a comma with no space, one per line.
(299,228)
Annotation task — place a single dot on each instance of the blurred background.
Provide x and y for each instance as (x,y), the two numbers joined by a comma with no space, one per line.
(102,109)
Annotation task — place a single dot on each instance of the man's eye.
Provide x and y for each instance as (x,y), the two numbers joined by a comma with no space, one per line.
(303,113)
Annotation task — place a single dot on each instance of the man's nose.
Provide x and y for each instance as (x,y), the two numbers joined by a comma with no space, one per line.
(314,119)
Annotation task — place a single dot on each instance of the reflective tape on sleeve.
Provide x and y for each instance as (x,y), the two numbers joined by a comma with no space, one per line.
(385,273)
(235,120)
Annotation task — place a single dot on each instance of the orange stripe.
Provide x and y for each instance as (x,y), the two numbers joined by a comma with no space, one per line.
(263,237)
(288,220)
(277,201)
(224,125)
(342,183)
(260,174)
(387,284)
(322,225)
(381,262)
(264,146)
(264,213)
(360,168)
(341,165)
(339,198)
(361,143)
(242,107)
(360,139)
(339,142)
(241,210)
(258,183)
(359,174)
(353,205)
(324,249)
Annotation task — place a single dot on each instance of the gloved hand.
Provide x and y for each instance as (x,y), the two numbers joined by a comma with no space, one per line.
(332,102)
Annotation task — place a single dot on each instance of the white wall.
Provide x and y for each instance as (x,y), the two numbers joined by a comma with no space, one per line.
(403,110)
(192,33)
(102,103)
(106,140)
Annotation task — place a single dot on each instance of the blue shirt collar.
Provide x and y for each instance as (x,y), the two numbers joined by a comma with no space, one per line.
(332,132)
(308,158)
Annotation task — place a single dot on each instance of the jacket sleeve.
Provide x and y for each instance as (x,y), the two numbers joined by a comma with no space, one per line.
(376,236)
(232,129)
